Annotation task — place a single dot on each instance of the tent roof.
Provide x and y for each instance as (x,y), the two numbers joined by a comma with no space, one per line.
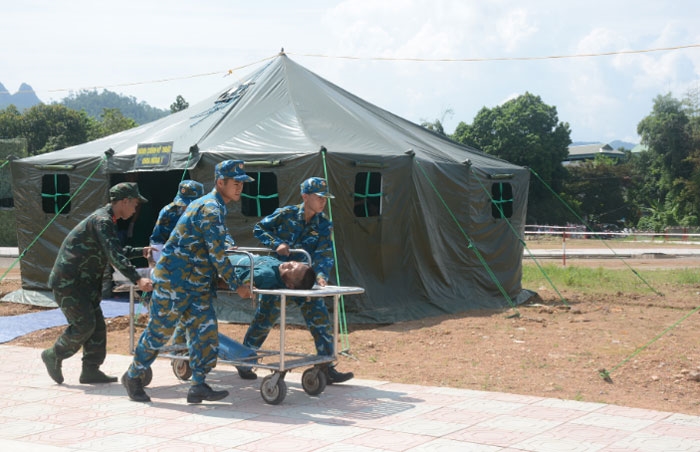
(281,109)
(418,257)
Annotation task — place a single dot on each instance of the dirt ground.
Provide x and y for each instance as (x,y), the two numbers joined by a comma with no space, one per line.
(632,350)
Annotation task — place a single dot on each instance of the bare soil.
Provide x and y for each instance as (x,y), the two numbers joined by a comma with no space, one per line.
(633,350)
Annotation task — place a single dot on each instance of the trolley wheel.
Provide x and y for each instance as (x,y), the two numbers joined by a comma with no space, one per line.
(313,380)
(181,368)
(147,377)
(273,393)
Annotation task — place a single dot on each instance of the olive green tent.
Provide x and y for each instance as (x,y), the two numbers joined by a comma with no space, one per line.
(425,225)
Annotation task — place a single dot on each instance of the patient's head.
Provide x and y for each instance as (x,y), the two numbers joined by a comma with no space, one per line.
(297,275)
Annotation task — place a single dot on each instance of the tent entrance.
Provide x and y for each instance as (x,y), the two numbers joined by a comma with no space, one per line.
(159,188)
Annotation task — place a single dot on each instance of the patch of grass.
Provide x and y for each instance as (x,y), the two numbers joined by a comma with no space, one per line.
(532,364)
(688,276)
(601,280)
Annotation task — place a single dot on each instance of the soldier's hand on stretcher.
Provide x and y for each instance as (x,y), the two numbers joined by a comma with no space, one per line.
(283,250)
(147,252)
(243,291)
(144,284)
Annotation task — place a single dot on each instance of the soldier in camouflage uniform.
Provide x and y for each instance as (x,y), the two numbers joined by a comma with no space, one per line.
(187,191)
(299,226)
(76,280)
(184,282)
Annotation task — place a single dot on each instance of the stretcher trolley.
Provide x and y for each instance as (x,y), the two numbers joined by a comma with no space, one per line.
(273,388)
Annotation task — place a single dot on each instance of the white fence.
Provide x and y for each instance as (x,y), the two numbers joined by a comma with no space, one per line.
(540,232)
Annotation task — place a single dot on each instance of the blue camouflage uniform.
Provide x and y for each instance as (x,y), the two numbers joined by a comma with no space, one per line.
(287,225)
(187,191)
(266,273)
(184,287)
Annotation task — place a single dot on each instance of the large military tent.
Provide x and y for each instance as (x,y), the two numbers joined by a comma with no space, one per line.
(425,225)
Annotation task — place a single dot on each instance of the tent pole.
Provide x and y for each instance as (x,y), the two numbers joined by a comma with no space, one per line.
(343,320)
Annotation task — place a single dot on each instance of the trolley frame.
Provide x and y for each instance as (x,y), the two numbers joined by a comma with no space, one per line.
(273,388)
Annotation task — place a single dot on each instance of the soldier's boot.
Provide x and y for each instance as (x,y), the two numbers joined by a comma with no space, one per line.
(92,374)
(333,376)
(203,391)
(246,373)
(134,388)
(53,365)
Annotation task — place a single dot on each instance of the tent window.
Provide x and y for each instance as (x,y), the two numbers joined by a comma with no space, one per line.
(368,194)
(55,193)
(502,200)
(260,197)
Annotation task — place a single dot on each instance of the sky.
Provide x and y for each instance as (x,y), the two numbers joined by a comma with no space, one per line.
(598,62)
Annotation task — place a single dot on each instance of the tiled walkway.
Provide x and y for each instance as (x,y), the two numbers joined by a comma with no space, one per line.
(358,416)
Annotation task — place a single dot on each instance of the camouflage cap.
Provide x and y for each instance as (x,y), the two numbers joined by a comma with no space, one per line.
(315,186)
(125,190)
(190,189)
(232,169)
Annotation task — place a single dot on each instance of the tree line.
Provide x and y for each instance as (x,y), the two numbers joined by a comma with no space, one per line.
(647,190)
(77,119)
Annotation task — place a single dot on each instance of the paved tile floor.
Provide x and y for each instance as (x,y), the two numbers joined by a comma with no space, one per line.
(358,416)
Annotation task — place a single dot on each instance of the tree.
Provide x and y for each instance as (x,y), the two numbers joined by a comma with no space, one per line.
(51,127)
(672,139)
(527,132)
(599,188)
(10,122)
(179,104)
(94,103)
(114,121)
(436,126)
(47,128)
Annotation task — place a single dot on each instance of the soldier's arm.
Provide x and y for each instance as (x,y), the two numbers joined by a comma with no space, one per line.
(215,231)
(323,254)
(266,229)
(113,249)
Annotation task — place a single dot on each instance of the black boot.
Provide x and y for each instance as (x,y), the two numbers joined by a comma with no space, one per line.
(134,387)
(333,376)
(53,365)
(92,374)
(202,391)
(246,373)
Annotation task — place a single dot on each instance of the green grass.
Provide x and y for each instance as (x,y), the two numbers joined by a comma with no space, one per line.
(601,280)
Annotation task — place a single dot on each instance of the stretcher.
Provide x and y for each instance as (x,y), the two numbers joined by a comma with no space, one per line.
(273,388)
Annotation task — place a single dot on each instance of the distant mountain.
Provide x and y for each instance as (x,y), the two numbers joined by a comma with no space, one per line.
(24,98)
(615,144)
(93,103)
(583,143)
(4,95)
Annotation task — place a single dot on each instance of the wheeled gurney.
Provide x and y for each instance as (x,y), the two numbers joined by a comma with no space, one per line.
(273,388)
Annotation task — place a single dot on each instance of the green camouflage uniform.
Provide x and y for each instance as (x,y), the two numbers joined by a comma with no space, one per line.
(76,281)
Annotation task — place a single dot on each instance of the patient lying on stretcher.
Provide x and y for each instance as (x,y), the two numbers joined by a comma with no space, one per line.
(271,273)
(268,273)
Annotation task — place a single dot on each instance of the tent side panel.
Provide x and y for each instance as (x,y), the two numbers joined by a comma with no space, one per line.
(40,233)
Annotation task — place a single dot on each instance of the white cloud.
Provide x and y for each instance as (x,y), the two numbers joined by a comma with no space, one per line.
(95,43)
(514,28)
